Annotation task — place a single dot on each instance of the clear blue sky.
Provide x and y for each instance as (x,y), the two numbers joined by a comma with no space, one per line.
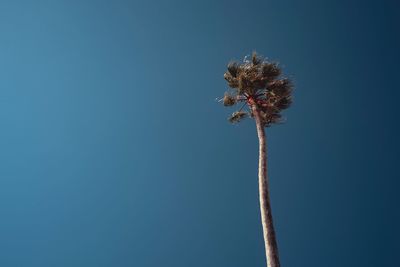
(114,152)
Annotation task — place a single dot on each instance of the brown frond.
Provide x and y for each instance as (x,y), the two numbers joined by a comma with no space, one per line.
(259,83)
(233,68)
(229,100)
(232,81)
(270,70)
(244,83)
(283,103)
(270,118)
(237,116)
(281,87)
(274,118)
(255,59)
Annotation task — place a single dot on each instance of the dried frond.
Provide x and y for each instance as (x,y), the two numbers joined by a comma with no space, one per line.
(233,68)
(271,98)
(273,119)
(232,81)
(259,83)
(283,103)
(255,59)
(270,108)
(237,116)
(270,70)
(229,100)
(245,85)
(268,119)
(280,87)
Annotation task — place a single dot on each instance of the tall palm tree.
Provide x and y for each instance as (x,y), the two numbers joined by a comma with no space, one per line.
(259,84)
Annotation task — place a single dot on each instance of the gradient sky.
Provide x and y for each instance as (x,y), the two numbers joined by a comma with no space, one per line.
(114,151)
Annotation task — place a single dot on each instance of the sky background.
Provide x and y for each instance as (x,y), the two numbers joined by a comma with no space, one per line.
(114,152)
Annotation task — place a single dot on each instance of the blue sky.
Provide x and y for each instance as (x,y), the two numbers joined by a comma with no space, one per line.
(114,151)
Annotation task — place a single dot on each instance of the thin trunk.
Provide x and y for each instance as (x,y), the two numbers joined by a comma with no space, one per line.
(271,246)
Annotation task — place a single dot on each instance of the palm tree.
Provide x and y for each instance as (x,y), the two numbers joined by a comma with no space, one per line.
(258,83)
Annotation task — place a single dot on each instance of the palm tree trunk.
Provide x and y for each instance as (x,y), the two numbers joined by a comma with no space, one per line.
(271,246)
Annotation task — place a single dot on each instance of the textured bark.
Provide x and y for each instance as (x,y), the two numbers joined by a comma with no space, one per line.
(271,246)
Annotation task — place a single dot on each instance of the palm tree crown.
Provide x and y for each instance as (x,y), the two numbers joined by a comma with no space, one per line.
(257,82)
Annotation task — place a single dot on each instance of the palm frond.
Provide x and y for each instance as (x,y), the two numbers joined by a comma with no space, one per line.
(233,68)
(255,59)
(232,81)
(270,118)
(237,116)
(283,103)
(229,100)
(281,87)
(243,83)
(270,70)
(259,83)
(274,118)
